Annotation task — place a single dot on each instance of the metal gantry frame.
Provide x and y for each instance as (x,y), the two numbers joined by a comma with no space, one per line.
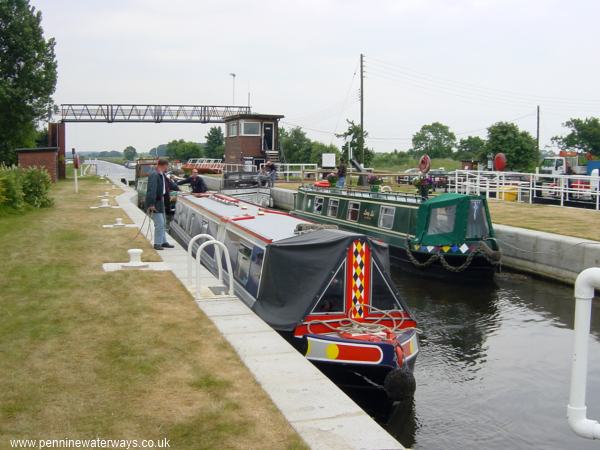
(109,113)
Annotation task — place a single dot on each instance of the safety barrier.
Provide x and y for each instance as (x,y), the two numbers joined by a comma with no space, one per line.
(586,282)
(190,257)
(564,190)
(227,260)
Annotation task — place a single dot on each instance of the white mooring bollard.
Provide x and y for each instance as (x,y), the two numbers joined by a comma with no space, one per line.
(104,203)
(119,222)
(135,259)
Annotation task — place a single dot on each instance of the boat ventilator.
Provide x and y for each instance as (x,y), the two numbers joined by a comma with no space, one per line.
(586,282)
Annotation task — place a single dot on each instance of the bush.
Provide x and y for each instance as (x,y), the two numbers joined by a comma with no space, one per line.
(19,187)
(36,187)
(12,185)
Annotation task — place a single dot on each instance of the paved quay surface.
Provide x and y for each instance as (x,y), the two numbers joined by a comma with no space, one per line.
(319,411)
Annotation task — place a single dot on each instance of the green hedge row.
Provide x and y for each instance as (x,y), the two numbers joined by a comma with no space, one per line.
(20,187)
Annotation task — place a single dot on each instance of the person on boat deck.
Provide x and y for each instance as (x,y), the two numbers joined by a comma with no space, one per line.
(341,174)
(195,181)
(156,193)
(271,171)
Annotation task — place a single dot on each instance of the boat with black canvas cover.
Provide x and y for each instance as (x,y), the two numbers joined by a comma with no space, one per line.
(448,236)
(327,291)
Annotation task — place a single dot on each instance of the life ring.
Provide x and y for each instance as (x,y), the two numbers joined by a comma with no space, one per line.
(322,183)
(500,162)
(424,163)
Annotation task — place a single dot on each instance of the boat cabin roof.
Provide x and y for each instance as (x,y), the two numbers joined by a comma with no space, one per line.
(357,193)
(268,225)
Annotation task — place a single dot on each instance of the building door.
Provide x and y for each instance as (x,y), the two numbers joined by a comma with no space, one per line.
(268,136)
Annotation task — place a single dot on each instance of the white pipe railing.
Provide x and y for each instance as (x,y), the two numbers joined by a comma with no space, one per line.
(190,257)
(528,186)
(586,282)
(227,261)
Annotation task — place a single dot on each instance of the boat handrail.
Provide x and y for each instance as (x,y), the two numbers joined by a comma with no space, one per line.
(222,246)
(398,196)
(190,257)
(576,409)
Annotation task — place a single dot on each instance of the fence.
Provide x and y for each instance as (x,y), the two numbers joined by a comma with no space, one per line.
(563,190)
(290,172)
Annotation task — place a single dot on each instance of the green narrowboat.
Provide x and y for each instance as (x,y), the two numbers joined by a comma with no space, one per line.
(446,235)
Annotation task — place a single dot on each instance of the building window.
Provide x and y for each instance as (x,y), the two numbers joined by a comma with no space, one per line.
(251,128)
(318,205)
(386,217)
(332,208)
(232,129)
(353,208)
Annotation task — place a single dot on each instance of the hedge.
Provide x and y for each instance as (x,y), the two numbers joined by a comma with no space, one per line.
(24,186)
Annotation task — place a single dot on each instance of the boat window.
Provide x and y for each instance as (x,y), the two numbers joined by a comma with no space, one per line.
(332,208)
(232,242)
(442,220)
(477,224)
(332,299)
(386,217)
(243,264)
(318,205)
(353,209)
(258,255)
(309,203)
(382,296)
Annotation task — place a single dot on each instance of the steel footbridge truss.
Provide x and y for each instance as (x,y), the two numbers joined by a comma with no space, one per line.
(110,113)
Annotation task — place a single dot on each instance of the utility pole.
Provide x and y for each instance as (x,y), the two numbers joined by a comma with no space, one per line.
(537,133)
(233,76)
(361,143)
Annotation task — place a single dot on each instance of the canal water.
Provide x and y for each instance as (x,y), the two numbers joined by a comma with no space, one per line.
(494,367)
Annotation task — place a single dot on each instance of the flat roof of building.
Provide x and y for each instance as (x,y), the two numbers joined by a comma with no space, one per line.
(253,116)
(37,149)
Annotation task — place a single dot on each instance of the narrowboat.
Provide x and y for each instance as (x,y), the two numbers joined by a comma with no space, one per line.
(446,235)
(325,290)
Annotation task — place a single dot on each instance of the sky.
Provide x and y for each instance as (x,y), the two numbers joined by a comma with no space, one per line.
(465,63)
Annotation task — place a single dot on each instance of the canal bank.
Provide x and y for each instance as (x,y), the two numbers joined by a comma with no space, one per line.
(549,255)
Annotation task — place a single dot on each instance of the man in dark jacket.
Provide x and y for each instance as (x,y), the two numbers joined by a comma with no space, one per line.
(195,181)
(156,194)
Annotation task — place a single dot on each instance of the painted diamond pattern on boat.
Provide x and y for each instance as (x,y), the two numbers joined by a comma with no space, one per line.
(358,280)
(464,248)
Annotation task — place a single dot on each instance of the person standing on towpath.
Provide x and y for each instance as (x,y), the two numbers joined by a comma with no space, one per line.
(156,193)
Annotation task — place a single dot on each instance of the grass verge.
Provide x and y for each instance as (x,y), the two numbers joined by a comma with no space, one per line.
(123,355)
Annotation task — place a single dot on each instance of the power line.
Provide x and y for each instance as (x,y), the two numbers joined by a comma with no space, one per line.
(402,70)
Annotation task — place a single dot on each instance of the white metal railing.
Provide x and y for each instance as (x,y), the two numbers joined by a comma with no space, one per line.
(190,257)
(528,187)
(586,282)
(289,171)
(220,245)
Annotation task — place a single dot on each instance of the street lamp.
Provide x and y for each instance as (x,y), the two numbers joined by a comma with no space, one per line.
(233,77)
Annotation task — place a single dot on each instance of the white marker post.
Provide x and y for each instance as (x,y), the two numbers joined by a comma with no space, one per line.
(75,167)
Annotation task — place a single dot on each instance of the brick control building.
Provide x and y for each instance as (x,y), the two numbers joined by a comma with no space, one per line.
(40,157)
(251,138)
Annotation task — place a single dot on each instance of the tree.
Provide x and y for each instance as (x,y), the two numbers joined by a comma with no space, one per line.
(318,148)
(182,150)
(295,145)
(215,143)
(519,147)
(354,138)
(129,153)
(471,147)
(435,140)
(27,76)
(584,135)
